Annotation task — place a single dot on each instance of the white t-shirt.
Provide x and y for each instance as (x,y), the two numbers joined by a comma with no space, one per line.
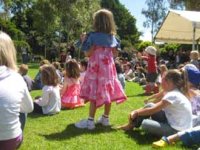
(50,100)
(14,98)
(179,113)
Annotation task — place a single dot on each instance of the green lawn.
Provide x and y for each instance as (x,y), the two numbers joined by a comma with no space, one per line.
(58,132)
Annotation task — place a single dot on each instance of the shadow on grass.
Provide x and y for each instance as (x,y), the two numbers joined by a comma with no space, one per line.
(35,115)
(141,138)
(71,132)
(140,95)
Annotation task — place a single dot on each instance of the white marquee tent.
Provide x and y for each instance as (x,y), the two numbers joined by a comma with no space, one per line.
(180,27)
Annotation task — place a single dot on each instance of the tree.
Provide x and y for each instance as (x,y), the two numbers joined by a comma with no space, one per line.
(176,4)
(126,23)
(5,4)
(155,12)
(78,17)
(143,45)
(188,4)
(45,22)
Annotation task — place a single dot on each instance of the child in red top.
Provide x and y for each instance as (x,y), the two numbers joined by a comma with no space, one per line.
(151,69)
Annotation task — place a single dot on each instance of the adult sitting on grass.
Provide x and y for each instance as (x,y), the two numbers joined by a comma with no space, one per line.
(50,102)
(171,114)
(15,97)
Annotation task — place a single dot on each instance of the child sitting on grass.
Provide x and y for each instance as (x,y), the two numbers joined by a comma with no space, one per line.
(50,102)
(71,89)
(163,117)
(23,70)
(191,136)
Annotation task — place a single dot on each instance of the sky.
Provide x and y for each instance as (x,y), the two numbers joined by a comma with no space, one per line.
(135,8)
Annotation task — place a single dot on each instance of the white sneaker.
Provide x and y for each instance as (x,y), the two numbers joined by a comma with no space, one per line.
(85,124)
(104,121)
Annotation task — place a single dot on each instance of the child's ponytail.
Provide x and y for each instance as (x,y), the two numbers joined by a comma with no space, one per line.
(185,88)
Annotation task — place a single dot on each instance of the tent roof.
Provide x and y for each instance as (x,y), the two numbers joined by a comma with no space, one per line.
(178,27)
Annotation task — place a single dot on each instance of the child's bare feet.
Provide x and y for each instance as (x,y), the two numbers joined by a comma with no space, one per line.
(126,127)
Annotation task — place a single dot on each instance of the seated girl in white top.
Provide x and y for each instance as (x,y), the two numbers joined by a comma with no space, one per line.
(50,102)
(192,136)
(171,114)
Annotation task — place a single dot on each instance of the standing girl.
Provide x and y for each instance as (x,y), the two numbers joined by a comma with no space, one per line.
(49,103)
(101,85)
(70,93)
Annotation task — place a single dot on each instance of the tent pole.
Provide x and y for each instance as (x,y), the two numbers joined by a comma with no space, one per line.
(193,40)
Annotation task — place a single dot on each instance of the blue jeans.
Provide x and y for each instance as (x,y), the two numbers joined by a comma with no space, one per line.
(22,119)
(156,124)
(190,137)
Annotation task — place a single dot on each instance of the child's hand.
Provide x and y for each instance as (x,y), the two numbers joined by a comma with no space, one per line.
(60,86)
(83,37)
(139,55)
(133,115)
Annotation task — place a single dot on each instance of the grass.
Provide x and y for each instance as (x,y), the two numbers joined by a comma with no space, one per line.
(58,132)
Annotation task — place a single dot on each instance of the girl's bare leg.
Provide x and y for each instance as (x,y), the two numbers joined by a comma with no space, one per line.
(173,138)
(92,110)
(107,108)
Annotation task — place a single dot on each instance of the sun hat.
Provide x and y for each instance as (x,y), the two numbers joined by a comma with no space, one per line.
(151,50)
(193,74)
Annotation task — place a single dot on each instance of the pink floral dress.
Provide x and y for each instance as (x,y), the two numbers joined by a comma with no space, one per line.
(100,84)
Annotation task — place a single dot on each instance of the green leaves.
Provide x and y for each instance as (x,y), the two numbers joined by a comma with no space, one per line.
(154,13)
(126,23)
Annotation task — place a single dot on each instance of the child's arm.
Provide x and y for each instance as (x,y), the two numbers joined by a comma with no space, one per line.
(115,52)
(27,103)
(89,52)
(63,89)
(44,100)
(144,57)
(87,44)
(156,97)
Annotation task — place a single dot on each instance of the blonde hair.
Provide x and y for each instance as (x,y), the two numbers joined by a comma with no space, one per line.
(104,22)
(23,69)
(7,51)
(194,55)
(44,61)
